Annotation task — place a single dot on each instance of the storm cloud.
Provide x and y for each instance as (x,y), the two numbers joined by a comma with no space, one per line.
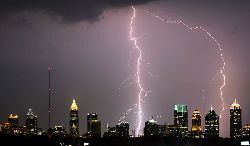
(70,11)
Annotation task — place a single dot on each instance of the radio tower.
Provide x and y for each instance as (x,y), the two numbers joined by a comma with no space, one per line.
(49,69)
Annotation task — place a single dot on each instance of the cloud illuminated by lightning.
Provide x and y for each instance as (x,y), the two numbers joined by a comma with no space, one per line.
(200,28)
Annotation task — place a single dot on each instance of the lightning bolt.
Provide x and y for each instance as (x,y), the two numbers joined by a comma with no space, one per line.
(200,28)
(138,72)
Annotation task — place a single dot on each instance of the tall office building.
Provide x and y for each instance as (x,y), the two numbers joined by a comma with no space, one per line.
(74,121)
(31,122)
(151,128)
(235,120)
(181,118)
(196,121)
(90,117)
(93,125)
(13,120)
(122,129)
(211,124)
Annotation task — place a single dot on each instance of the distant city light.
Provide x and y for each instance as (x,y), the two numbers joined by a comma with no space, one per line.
(245,143)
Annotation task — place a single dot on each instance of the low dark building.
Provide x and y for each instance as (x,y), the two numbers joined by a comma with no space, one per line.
(122,129)
(60,131)
(111,132)
(173,131)
(162,130)
(151,128)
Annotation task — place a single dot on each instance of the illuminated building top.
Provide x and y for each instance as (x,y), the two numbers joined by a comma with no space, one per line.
(152,121)
(195,114)
(180,108)
(247,126)
(30,112)
(73,105)
(12,116)
(235,105)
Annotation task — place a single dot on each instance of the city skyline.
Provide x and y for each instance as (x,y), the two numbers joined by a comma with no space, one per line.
(88,47)
(151,128)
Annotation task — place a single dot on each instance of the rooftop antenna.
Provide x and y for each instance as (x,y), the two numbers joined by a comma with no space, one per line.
(49,69)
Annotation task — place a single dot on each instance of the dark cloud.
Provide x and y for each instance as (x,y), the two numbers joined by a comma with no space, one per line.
(70,11)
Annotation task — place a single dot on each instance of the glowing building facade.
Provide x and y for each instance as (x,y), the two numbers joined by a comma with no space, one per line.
(74,121)
(181,118)
(235,120)
(196,121)
(211,124)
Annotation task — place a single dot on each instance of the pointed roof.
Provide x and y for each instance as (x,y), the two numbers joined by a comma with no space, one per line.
(73,105)
(235,104)
(30,112)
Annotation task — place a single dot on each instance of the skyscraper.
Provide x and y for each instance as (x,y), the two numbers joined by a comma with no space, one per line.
(74,121)
(90,117)
(196,121)
(31,122)
(151,128)
(93,125)
(211,124)
(235,120)
(181,118)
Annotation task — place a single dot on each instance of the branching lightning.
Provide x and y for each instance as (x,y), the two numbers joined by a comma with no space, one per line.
(127,112)
(142,92)
(200,28)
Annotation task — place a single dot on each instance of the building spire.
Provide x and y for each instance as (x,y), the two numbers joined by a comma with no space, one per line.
(211,109)
(73,105)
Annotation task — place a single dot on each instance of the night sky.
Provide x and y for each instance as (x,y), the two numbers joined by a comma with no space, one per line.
(86,42)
